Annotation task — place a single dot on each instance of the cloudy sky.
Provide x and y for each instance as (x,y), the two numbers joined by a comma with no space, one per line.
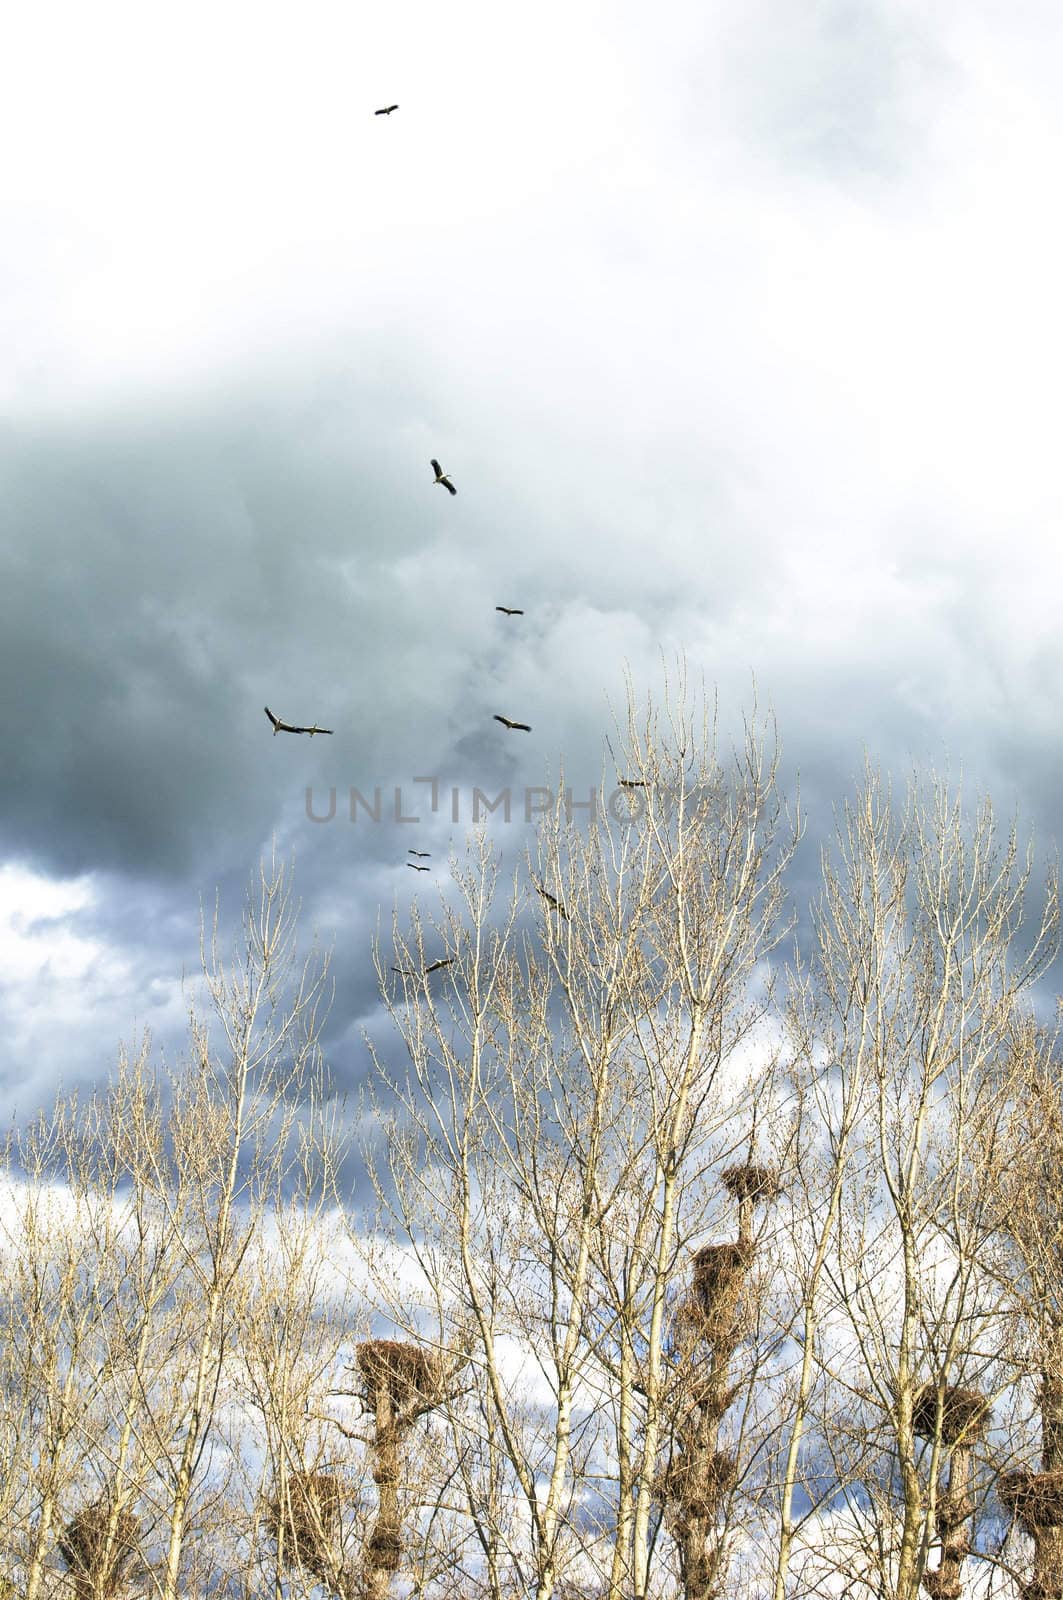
(737,326)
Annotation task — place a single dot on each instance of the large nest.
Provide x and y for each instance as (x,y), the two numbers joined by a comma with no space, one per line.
(384,1549)
(711,1394)
(719,1270)
(944,1583)
(1034,1498)
(695,1483)
(406,1370)
(306,1521)
(963,1413)
(84,1548)
(747,1181)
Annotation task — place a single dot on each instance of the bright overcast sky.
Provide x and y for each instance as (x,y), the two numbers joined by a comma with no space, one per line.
(738,328)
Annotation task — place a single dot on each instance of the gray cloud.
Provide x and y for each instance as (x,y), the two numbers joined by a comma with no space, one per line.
(729,356)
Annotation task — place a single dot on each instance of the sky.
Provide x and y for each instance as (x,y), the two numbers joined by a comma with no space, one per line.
(738,329)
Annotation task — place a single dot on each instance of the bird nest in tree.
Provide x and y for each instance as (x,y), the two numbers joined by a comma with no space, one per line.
(1034,1498)
(718,1268)
(99,1565)
(384,1549)
(306,1520)
(695,1483)
(719,1273)
(710,1393)
(944,1583)
(747,1181)
(963,1413)
(406,1370)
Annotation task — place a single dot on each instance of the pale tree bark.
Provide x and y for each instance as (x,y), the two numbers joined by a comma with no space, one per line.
(932,949)
(50,1319)
(577,1077)
(238,1117)
(1029,1216)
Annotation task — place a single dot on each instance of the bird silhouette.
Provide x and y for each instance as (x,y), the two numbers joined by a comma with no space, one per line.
(288,727)
(510,611)
(549,898)
(423,853)
(435,966)
(632,783)
(441,477)
(521,727)
(385,111)
(415,868)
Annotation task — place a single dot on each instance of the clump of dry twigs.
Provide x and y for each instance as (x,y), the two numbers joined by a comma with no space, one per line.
(98,1546)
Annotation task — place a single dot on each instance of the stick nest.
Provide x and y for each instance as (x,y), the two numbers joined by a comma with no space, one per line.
(695,1483)
(384,1548)
(963,1413)
(307,1520)
(747,1181)
(1034,1498)
(83,1547)
(719,1270)
(406,1370)
(944,1583)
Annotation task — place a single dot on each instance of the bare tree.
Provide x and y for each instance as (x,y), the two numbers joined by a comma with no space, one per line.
(1029,1160)
(241,1114)
(925,953)
(572,1088)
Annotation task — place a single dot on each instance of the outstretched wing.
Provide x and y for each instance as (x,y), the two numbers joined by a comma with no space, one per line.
(437,469)
(549,898)
(448,962)
(445,481)
(276,721)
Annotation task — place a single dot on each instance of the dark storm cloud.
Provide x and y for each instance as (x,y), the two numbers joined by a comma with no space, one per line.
(165,578)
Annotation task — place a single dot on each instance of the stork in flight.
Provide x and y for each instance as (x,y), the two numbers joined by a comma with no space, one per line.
(423,853)
(287,727)
(510,611)
(406,973)
(556,904)
(385,111)
(521,727)
(442,477)
(415,868)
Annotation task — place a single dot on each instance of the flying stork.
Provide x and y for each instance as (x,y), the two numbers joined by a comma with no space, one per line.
(442,477)
(555,904)
(287,727)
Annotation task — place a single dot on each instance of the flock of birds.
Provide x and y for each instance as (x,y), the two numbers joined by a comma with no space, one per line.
(280,726)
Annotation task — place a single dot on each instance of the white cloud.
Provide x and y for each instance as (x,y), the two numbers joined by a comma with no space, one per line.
(68,996)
